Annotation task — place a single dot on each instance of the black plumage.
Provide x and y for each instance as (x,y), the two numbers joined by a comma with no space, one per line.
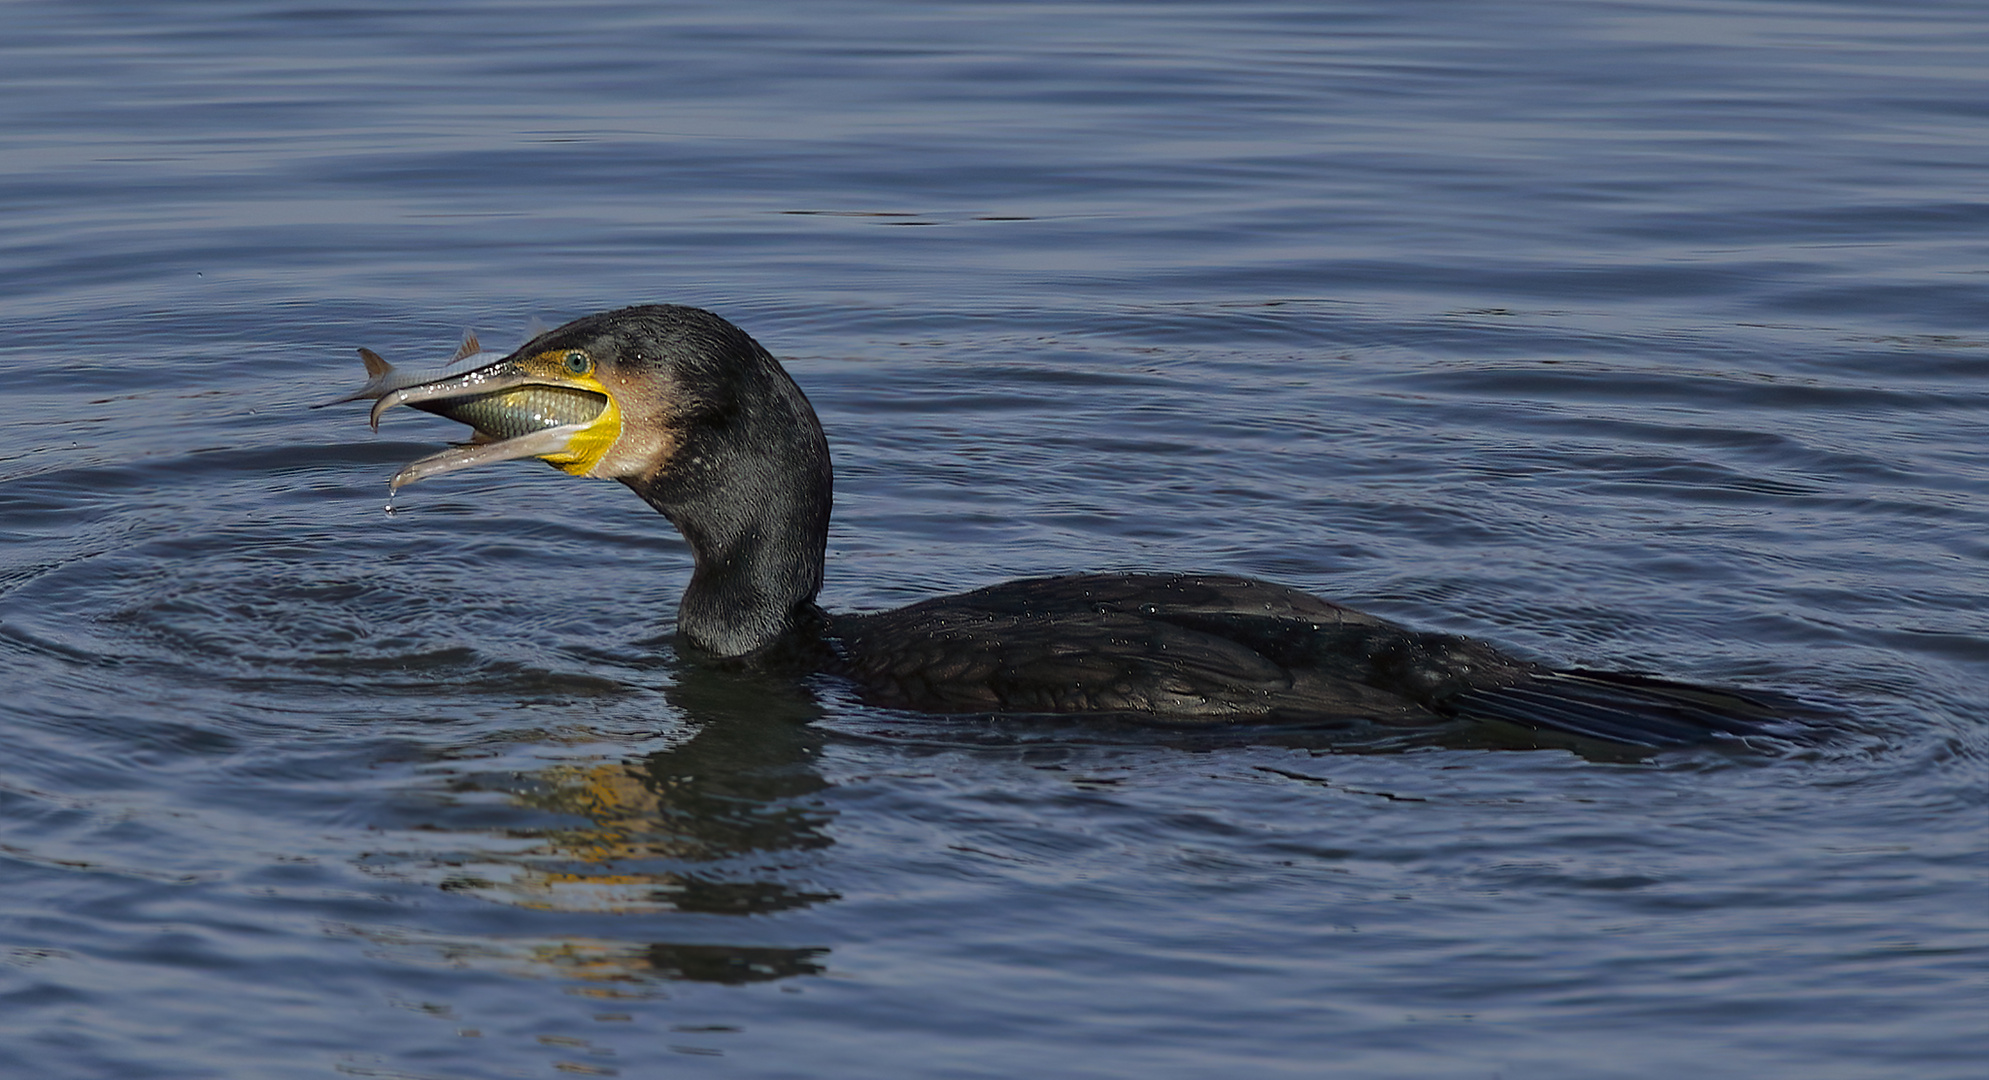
(712,432)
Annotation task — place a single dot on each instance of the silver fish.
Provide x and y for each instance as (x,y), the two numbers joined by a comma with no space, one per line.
(513,415)
(383,378)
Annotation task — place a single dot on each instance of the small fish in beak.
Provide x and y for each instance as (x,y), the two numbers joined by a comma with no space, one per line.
(383,378)
(519,407)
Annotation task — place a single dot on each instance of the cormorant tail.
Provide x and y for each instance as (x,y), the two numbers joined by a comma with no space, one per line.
(1637,710)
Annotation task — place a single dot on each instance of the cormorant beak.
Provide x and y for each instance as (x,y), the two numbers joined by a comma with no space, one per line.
(521,407)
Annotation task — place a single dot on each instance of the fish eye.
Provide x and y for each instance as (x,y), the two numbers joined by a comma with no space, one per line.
(577,363)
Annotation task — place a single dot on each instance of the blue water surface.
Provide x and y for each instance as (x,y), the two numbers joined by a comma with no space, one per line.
(1646,335)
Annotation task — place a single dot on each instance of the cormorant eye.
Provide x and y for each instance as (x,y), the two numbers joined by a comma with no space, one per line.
(578,364)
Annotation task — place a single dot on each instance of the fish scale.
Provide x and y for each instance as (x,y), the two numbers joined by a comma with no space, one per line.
(519,411)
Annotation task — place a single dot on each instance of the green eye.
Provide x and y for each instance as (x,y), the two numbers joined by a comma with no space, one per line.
(578,364)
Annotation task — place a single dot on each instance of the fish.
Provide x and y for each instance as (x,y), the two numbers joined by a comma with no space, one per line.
(512,414)
(383,378)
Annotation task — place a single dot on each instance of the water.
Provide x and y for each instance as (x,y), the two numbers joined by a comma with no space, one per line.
(1647,335)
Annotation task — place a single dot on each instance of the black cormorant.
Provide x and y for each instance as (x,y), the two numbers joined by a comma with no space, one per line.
(705,425)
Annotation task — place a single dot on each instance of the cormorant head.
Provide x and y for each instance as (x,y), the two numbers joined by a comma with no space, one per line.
(684,408)
(612,395)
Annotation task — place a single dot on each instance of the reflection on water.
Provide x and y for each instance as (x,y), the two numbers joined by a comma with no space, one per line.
(598,965)
(705,827)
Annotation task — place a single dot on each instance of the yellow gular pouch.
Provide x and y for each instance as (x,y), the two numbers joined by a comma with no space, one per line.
(591,443)
(574,369)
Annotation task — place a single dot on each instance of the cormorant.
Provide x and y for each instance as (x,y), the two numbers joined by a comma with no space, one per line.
(703,423)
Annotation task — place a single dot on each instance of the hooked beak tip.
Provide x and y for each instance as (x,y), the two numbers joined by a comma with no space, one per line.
(382,404)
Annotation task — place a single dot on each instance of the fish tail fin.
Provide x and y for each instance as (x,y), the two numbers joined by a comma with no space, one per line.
(378,373)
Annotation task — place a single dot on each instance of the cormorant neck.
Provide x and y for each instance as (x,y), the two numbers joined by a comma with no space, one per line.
(753,575)
(749,485)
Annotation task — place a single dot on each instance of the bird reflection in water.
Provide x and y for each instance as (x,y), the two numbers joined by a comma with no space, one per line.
(710,826)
